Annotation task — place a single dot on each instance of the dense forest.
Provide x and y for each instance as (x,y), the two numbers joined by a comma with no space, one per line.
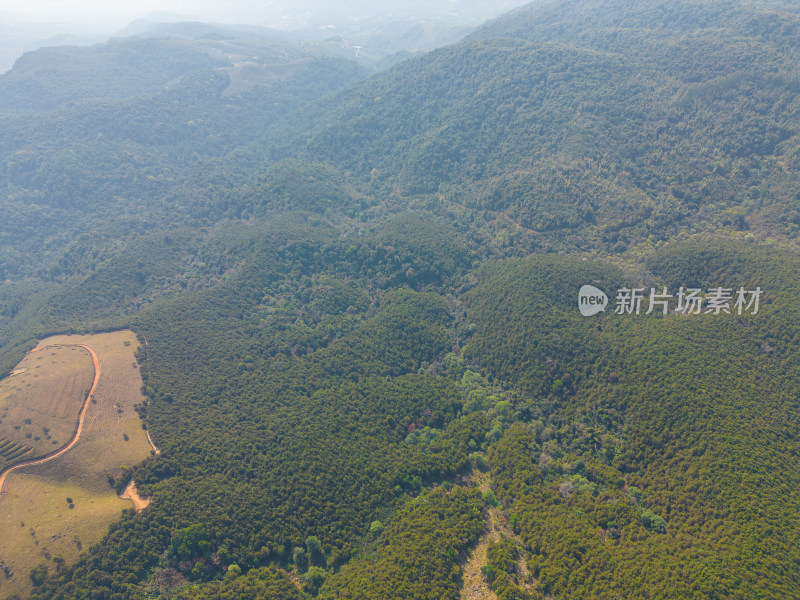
(356,294)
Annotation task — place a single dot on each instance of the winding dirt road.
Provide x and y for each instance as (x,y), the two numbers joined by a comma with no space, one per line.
(150,440)
(38,461)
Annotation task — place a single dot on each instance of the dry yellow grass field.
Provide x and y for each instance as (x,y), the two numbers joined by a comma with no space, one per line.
(37,495)
(40,402)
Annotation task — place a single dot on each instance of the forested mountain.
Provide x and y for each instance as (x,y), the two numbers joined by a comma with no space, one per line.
(357,291)
(146,150)
(600,134)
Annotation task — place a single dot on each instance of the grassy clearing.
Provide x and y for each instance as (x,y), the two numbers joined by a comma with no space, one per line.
(37,494)
(40,401)
(37,525)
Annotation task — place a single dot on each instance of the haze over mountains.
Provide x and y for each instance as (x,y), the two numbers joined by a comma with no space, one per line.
(384,27)
(357,276)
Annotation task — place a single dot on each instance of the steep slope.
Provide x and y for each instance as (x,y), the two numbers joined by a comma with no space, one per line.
(579,119)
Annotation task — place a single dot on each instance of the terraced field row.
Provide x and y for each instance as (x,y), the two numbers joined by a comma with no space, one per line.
(11,451)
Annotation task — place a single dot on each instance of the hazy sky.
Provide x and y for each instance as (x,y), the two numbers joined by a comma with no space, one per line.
(116,13)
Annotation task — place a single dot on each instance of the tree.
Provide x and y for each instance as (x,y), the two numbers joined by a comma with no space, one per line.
(300,559)
(315,554)
(233,572)
(652,521)
(38,575)
(314,579)
(376,529)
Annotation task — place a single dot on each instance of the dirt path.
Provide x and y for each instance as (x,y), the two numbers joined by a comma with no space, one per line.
(475,586)
(149,439)
(81,416)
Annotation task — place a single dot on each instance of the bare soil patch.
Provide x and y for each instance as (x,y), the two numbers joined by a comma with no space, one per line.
(132,494)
